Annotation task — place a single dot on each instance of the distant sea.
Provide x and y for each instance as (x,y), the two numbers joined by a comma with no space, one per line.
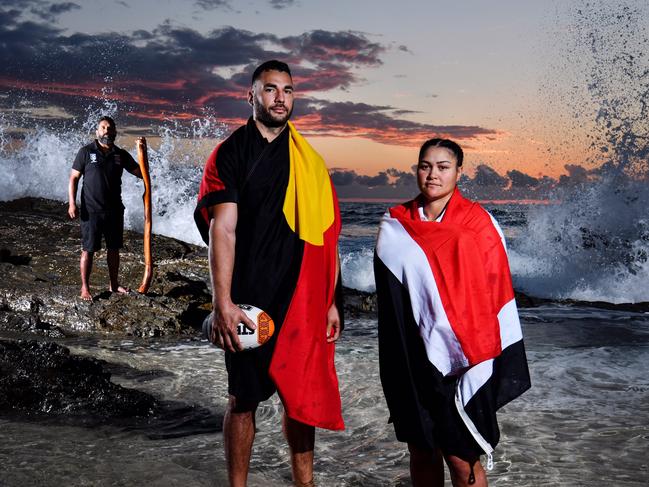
(584,422)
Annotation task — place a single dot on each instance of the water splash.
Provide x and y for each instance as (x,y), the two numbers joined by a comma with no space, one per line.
(595,244)
(176,172)
(39,166)
(357,269)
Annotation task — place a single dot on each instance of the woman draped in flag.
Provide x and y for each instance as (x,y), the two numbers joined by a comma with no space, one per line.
(450,343)
(268,212)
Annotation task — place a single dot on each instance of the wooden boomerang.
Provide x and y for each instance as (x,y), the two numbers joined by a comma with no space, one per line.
(148,224)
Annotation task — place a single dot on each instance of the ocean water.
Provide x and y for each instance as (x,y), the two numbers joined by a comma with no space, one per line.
(584,422)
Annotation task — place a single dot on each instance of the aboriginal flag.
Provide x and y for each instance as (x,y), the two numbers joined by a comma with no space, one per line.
(447,313)
(285,263)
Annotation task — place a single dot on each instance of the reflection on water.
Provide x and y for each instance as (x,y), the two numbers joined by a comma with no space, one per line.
(584,422)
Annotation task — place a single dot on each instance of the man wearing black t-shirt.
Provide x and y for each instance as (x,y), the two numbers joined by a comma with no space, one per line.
(101,164)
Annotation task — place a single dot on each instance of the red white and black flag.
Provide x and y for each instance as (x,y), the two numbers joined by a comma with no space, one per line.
(446,312)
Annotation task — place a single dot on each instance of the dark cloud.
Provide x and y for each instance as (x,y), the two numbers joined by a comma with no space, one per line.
(390,178)
(522,180)
(487,176)
(177,72)
(486,184)
(51,12)
(59,8)
(280,4)
(213,4)
(381,179)
(380,123)
(322,46)
(576,175)
(41,9)
(31,50)
(343,177)
(346,178)
(403,178)
(21,5)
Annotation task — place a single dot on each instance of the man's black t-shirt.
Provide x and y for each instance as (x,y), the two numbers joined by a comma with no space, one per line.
(102,177)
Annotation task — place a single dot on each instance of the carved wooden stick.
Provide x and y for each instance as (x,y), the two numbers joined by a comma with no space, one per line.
(148,223)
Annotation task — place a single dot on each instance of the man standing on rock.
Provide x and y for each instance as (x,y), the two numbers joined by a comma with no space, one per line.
(101,164)
(269,214)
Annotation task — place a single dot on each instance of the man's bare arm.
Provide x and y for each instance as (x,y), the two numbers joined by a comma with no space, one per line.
(136,171)
(73,183)
(226,315)
(333,315)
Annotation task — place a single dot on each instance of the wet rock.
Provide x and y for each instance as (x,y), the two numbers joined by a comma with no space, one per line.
(358,303)
(43,382)
(43,377)
(39,290)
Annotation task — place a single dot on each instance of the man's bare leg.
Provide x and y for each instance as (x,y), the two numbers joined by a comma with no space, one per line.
(465,474)
(238,436)
(301,440)
(426,467)
(112,258)
(85,266)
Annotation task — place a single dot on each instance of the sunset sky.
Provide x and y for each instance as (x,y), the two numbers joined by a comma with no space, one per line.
(374,79)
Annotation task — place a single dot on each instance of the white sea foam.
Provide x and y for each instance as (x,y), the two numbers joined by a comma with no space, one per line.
(40,167)
(594,246)
(357,269)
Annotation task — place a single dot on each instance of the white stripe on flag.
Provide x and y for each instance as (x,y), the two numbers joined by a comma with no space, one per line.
(409,264)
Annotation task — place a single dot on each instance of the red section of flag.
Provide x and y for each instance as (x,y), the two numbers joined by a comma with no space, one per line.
(210,182)
(470,267)
(303,362)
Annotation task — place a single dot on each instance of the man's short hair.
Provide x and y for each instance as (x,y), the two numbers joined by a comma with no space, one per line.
(272,65)
(108,119)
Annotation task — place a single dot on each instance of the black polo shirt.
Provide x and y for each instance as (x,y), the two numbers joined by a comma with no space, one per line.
(102,176)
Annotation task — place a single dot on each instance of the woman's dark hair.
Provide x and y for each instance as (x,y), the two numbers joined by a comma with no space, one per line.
(447,144)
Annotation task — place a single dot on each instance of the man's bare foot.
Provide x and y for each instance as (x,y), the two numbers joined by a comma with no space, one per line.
(85,295)
(120,289)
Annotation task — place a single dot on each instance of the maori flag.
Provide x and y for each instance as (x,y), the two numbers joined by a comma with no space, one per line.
(445,288)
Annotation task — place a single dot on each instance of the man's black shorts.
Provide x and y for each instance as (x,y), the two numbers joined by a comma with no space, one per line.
(248,378)
(94,225)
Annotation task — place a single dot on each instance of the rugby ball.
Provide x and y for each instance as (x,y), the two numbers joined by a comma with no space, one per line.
(249,338)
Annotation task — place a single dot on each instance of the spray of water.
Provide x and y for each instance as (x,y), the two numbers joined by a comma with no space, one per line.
(357,269)
(40,167)
(595,244)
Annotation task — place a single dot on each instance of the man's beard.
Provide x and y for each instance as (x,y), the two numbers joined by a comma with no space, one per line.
(266,117)
(107,139)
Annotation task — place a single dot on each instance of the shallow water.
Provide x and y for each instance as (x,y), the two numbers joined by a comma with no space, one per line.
(584,422)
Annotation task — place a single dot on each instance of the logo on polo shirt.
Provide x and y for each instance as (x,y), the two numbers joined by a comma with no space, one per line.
(118,160)
(93,157)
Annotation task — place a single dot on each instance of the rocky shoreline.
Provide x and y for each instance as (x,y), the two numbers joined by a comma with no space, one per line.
(39,262)
(39,302)
(39,293)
